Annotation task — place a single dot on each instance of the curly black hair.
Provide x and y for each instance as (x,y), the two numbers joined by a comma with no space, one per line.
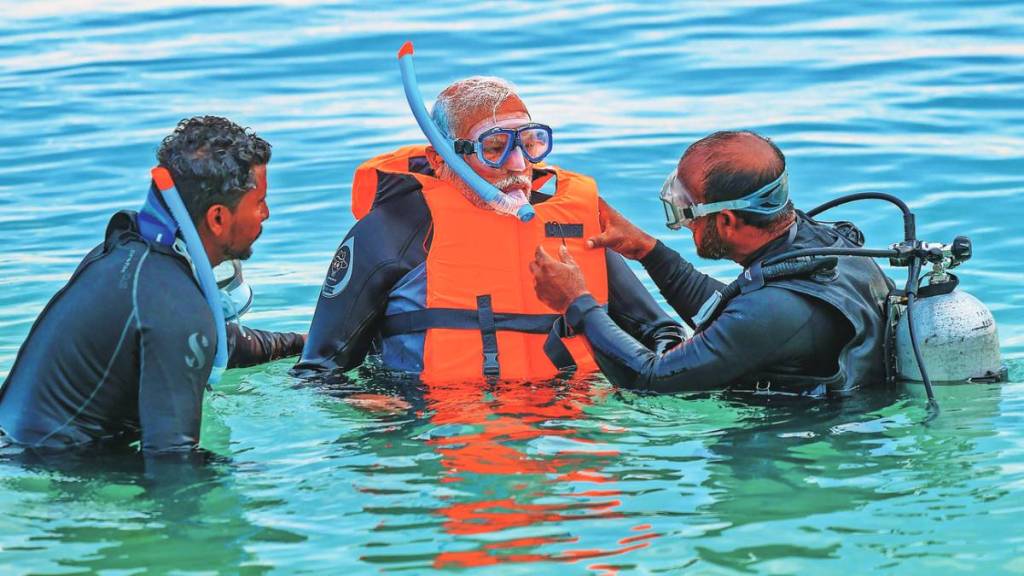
(211,160)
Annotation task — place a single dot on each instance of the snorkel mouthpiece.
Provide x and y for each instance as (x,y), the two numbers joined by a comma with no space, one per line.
(196,251)
(496,199)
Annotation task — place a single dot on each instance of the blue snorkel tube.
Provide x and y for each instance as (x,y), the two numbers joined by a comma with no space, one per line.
(196,251)
(496,199)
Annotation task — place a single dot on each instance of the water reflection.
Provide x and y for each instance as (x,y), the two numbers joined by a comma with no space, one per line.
(517,470)
(471,475)
(924,100)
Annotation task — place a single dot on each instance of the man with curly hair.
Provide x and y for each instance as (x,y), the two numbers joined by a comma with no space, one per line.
(123,352)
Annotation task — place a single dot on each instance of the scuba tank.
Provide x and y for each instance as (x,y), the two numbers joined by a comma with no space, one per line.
(935,330)
(958,336)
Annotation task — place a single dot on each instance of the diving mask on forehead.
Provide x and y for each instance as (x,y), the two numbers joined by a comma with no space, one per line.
(681,209)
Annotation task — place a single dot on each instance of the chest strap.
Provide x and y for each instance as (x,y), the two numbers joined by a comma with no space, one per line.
(488,323)
(463,319)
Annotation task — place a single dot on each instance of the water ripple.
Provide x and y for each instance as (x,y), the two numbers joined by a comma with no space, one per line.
(925,100)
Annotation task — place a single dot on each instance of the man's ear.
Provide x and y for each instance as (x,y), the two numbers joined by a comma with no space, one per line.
(434,159)
(217,220)
(727,222)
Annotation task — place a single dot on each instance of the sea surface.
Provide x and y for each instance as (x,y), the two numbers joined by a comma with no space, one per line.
(924,100)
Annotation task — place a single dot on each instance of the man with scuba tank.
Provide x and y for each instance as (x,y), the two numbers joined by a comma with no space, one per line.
(433,278)
(124,351)
(800,327)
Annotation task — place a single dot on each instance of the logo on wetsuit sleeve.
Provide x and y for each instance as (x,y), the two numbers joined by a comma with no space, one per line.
(338,274)
(197,343)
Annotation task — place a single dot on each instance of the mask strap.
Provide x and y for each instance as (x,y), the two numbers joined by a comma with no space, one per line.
(747,202)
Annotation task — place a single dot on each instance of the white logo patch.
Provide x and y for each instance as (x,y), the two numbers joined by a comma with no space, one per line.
(197,343)
(338,274)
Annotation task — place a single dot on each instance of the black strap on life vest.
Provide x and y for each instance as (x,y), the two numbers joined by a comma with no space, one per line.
(485,317)
(556,350)
(465,319)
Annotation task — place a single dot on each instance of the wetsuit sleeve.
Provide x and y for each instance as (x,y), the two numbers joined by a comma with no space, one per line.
(176,345)
(350,304)
(248,346)
(377,252)
(633,309)
(752,333)
(684,287)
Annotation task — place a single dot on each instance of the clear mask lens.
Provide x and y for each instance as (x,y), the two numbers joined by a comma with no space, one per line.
(535,143)
(672,218)
(236,295)
(495,147)
(675,198)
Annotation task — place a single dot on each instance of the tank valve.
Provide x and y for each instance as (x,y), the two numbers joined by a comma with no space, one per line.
(961,250)
(942,256)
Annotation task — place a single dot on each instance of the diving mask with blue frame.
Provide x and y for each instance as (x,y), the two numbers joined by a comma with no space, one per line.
(494,146)
(681,209)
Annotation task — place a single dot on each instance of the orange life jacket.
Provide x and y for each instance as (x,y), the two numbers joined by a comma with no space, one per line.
(482,315)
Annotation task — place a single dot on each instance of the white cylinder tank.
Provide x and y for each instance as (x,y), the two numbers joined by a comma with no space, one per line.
(957,336)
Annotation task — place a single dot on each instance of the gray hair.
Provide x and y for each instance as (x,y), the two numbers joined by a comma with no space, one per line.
(466,98)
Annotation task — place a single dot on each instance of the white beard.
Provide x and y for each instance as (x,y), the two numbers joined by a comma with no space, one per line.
(517,197)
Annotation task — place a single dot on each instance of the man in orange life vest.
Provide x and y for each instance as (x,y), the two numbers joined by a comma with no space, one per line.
(436,283)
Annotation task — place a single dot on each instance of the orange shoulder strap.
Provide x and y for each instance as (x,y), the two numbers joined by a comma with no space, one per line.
(364,181)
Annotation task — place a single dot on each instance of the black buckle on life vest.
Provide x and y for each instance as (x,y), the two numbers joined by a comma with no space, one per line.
(485,316)
(491,366)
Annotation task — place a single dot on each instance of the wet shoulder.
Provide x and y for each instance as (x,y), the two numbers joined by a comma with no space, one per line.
(774,308)
(396,226)
(165,282)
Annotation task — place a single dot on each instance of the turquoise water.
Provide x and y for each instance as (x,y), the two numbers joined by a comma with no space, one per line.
(921,99)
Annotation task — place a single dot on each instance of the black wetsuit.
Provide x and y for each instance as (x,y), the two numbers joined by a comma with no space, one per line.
(807,337)
(390,244)
(123,352)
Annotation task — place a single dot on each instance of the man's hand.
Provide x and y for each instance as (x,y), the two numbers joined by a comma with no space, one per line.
(620,235)
(557,284)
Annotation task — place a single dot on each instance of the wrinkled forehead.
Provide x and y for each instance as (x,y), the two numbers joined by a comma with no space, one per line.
(512,120)
(511,113)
